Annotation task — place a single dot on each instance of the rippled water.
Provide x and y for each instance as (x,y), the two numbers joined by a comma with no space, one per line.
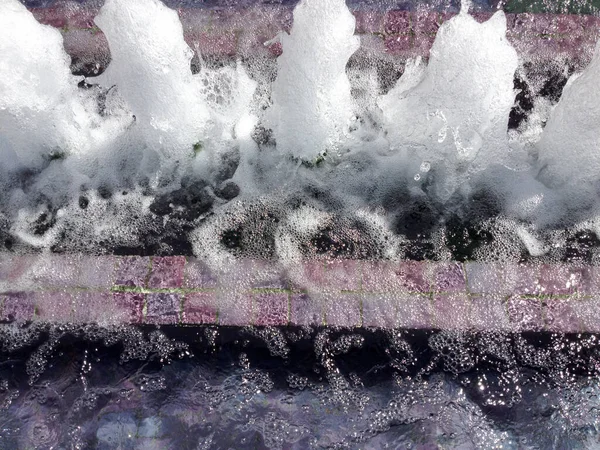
(209,388)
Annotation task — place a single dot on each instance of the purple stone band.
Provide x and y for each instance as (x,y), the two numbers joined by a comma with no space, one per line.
(346,293)
(243,31)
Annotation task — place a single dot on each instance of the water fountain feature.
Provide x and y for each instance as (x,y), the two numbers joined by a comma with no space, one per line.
(183,148)
(319,241)
(454,113)
(319,46)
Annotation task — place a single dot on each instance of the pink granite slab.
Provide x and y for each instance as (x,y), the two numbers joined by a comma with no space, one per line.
(305,311)
(425,22)
(235,309)
(451,311)
(415,311)
(396,22)
(162,308)
(198,275)
(587,313)
(95,307)
(344,311)
(379,310)
(342,274)
(560,316)
(523,279)
(54,307)
(249,274)
(486,278)
(449,277)
(407,294)
(369,21)
(132,271)
(489,312)
(400,44)
(17,306)
(560,279)
(96,272)
(55,271)
(199,308)
(129,305)
(166,272)
(388,276)
(524,313)
(271,309)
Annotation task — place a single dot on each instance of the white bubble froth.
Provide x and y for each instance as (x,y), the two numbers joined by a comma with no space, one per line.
(307,151)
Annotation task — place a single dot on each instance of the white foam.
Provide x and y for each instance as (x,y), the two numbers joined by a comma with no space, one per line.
(454,113)
(42,112)
(150,66)
(570,145)
(534,245)
(312,105)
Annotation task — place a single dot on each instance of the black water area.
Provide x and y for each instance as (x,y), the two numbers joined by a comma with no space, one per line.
(429,230)
(466,234)
(296,388)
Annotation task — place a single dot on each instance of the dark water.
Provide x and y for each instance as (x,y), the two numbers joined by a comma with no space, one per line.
(232,388)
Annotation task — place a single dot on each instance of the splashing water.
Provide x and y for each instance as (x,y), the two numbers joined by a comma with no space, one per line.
(312,90)
(154,158)
(569,144)
(42,113)
(308,157)
(454,112)
(155,78)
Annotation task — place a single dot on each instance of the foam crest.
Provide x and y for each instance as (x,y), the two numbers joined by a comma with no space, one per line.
(569,145)
(150,67)
(453,114)
(312,90)
(42,113)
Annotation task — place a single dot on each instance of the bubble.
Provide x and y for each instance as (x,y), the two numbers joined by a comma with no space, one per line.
(173,152)
(311,90)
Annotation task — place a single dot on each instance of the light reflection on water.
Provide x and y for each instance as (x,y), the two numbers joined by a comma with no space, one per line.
(296,388)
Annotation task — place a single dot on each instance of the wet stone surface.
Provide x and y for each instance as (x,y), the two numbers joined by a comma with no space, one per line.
(351,293)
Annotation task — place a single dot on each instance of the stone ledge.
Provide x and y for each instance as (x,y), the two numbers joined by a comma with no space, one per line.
(348,293)
(399,34)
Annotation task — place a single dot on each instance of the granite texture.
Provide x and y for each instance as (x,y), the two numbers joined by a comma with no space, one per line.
(345,293)
(246,31)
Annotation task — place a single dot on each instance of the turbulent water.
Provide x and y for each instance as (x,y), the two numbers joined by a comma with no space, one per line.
(125,388)
(166,153)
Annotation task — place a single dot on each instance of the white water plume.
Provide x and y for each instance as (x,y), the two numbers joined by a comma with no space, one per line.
(226,158)
(312,105)
(570,145)
(150,67)
(453,114)
(43,114)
